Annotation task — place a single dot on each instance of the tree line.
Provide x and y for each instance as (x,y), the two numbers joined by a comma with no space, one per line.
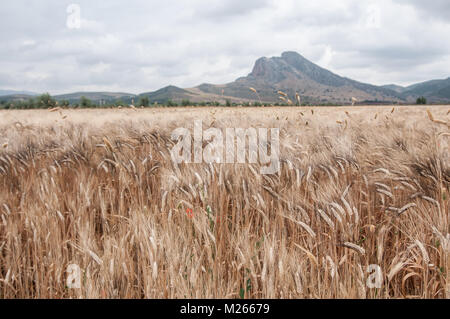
(46,101)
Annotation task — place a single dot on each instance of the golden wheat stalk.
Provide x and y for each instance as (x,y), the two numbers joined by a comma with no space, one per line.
(442,122)
(430,115)
(256,92)
(355,247)
(108,144)
(297,96)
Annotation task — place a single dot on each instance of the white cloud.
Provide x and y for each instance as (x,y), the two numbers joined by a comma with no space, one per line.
(327,57)
(139,45)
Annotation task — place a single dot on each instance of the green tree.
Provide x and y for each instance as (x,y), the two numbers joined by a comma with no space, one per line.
(64,103)
(45,101)
(85,102)
(186,103)
(421,100)
(171,103)
(30,104)
(119,102)
(144,101)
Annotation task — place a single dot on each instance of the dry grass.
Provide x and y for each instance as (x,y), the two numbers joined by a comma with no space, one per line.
(357,187)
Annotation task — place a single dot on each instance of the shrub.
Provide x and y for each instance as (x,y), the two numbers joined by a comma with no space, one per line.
(186,103)
(171,103)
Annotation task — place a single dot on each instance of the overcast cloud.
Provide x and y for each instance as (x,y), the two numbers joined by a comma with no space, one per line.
(142,45)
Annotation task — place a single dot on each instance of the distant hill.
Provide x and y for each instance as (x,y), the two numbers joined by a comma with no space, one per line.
(16,98)
(394,87)
(434,91)
(97,97)
(170,93)
(12,92)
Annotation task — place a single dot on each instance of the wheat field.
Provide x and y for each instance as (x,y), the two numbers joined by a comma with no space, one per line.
(358,186)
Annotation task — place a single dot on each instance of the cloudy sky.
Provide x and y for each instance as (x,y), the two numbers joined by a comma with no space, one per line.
(142,45)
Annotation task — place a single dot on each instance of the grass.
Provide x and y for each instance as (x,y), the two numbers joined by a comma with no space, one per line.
(357,187)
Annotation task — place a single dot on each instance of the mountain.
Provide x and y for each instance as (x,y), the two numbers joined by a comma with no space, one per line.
(434,91)
(293,73)
(12,92)
(394,87)
(16,98)
(170,93)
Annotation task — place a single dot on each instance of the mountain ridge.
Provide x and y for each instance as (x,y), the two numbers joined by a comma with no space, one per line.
(291,73)
(15,92)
